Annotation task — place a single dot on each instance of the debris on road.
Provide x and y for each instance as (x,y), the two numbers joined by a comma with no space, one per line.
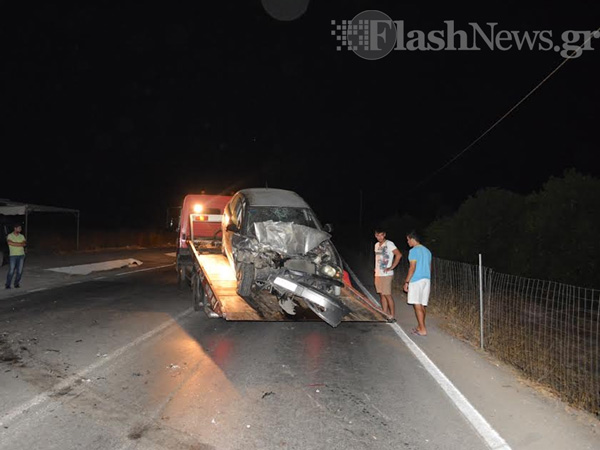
(6,352)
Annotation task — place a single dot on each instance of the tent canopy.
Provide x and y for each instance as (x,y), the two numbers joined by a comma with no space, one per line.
(11,208)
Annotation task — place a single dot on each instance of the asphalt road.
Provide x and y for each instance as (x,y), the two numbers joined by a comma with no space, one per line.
(118,360)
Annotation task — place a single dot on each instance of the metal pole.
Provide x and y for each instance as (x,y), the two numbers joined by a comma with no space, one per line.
(480,302)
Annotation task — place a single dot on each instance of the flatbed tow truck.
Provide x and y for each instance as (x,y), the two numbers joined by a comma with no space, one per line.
(214,286)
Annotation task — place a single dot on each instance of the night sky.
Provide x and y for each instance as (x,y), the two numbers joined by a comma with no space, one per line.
(119,110)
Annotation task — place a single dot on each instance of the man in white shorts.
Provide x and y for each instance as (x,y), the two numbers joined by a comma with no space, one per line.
(418,280)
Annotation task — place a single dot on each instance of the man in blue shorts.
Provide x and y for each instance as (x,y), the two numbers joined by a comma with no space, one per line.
(418,280)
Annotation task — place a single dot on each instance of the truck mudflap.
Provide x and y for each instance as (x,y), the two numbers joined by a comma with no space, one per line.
(216,294)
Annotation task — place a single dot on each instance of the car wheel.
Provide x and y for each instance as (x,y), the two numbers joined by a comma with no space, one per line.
(245,277)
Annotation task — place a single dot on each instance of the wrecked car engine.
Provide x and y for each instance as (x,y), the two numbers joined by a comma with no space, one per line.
(294,262)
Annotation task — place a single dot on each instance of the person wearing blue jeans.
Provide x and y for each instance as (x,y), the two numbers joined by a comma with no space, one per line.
(16,247)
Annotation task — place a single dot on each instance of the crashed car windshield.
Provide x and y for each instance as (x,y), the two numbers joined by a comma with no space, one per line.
(300,216)
(289,238)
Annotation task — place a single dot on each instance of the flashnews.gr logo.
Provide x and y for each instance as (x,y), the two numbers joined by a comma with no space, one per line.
(372,35)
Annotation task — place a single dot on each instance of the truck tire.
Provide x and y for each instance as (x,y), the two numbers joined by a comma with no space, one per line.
(245,278)
(181,277)
(198,294)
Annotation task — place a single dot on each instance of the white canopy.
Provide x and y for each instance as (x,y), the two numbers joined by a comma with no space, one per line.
(11,208)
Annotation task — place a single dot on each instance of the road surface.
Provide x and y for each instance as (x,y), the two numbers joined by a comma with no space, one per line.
(117,359)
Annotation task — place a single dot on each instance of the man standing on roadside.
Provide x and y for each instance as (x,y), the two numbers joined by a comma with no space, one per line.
(418,280)
(16,250)
(387,257)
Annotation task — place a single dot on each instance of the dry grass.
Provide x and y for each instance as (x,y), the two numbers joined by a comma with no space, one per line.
(555,354)
(548,333)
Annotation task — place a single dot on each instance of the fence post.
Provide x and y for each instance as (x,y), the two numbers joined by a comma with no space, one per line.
(480,302)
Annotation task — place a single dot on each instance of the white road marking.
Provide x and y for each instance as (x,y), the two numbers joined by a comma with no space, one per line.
(37,290)
(86,269)
(30,291)
(485,430)
(72,380)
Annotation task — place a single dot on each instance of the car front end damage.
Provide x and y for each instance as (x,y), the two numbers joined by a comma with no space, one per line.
(298,264)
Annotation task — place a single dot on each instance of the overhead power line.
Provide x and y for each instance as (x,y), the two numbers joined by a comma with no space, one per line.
(458,155)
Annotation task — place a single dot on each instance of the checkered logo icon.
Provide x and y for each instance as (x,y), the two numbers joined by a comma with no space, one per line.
(350,35)
(371,34)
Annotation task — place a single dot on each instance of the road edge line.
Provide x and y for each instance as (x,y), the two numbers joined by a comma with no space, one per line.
(483,428)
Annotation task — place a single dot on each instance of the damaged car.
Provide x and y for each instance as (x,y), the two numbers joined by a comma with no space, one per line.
(274,241)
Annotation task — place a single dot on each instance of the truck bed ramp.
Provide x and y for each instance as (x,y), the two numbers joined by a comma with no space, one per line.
(218,282)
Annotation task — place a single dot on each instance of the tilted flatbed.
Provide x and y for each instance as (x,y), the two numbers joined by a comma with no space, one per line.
(213,284)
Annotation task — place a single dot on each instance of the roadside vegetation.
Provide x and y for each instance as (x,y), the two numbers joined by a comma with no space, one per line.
(550,234)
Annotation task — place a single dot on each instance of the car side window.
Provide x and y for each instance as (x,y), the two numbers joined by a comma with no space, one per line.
(227,214)
(232,211)
(237,212)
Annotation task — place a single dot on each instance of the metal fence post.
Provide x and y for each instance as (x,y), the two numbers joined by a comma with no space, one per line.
(480,302)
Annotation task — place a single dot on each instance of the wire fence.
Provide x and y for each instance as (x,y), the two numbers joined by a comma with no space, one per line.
(549,331)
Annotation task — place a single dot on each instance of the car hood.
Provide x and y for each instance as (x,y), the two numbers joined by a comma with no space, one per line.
(289,238)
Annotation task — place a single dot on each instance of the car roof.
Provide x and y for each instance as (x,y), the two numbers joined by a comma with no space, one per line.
(273,197)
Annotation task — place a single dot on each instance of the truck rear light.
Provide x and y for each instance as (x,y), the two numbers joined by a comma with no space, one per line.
(206,218)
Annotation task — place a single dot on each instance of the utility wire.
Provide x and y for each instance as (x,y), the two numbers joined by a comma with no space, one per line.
(458,155)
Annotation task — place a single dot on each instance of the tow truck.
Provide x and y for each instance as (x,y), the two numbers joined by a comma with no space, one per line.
(199,231)
(203,266)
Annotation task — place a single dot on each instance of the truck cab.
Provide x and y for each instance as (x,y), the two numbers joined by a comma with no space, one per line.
(200,222)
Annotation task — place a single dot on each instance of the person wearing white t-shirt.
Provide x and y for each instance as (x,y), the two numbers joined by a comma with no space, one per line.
(387,257)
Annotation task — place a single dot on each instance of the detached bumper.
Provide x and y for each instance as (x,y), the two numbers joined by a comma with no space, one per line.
(328,308)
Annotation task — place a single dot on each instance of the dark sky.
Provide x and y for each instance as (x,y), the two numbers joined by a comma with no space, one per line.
(119,109)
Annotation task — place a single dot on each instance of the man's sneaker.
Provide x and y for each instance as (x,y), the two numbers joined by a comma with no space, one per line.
(6,287)
(17,286)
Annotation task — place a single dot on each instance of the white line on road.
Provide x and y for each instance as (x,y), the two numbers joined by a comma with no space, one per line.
(485,430)
(30,291)
(74,379)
